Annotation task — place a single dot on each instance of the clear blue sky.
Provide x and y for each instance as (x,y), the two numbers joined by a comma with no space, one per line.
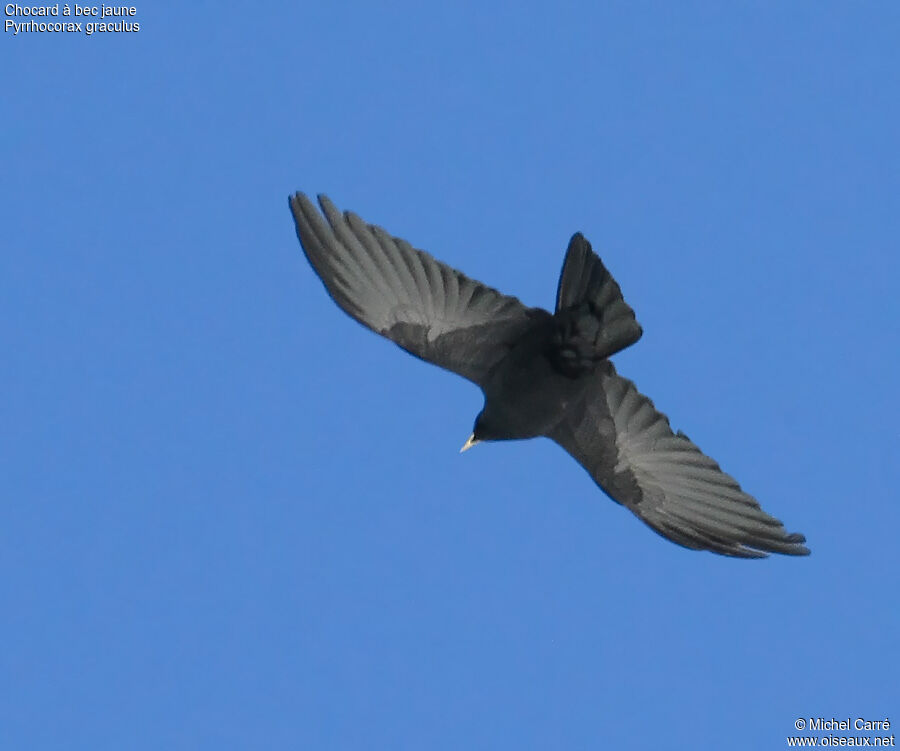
(233,518)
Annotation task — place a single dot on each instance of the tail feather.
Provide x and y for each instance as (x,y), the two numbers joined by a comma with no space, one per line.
(593,320)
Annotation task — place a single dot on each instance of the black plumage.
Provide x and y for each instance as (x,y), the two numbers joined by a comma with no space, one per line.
(543,374)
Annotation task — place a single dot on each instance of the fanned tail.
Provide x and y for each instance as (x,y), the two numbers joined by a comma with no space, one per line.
(593,320)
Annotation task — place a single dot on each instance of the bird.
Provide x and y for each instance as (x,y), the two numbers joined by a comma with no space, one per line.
(542,374)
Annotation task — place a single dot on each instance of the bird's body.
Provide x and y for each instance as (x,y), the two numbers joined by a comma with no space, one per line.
(543,374)
(525,395)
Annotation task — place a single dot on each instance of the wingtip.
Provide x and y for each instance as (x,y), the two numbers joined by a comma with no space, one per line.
(798,540)
(792,545)
(297,199)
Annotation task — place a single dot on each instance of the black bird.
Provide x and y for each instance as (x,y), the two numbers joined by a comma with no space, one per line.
(542,374)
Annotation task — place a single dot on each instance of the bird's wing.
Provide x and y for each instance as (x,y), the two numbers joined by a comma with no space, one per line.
(430,309)
(629,449)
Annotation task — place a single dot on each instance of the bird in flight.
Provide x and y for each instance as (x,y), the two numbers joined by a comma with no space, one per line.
(542,374)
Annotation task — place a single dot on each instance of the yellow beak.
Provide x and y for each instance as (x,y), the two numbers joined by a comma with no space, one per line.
(470,441)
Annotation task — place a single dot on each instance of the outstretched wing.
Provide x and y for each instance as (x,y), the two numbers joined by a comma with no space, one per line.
(428,308)
(629,449)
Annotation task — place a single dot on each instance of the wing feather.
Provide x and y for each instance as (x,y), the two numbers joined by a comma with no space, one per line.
(663,478)
(428,308)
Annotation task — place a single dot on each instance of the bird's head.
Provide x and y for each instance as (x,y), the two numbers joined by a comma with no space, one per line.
(481,431)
